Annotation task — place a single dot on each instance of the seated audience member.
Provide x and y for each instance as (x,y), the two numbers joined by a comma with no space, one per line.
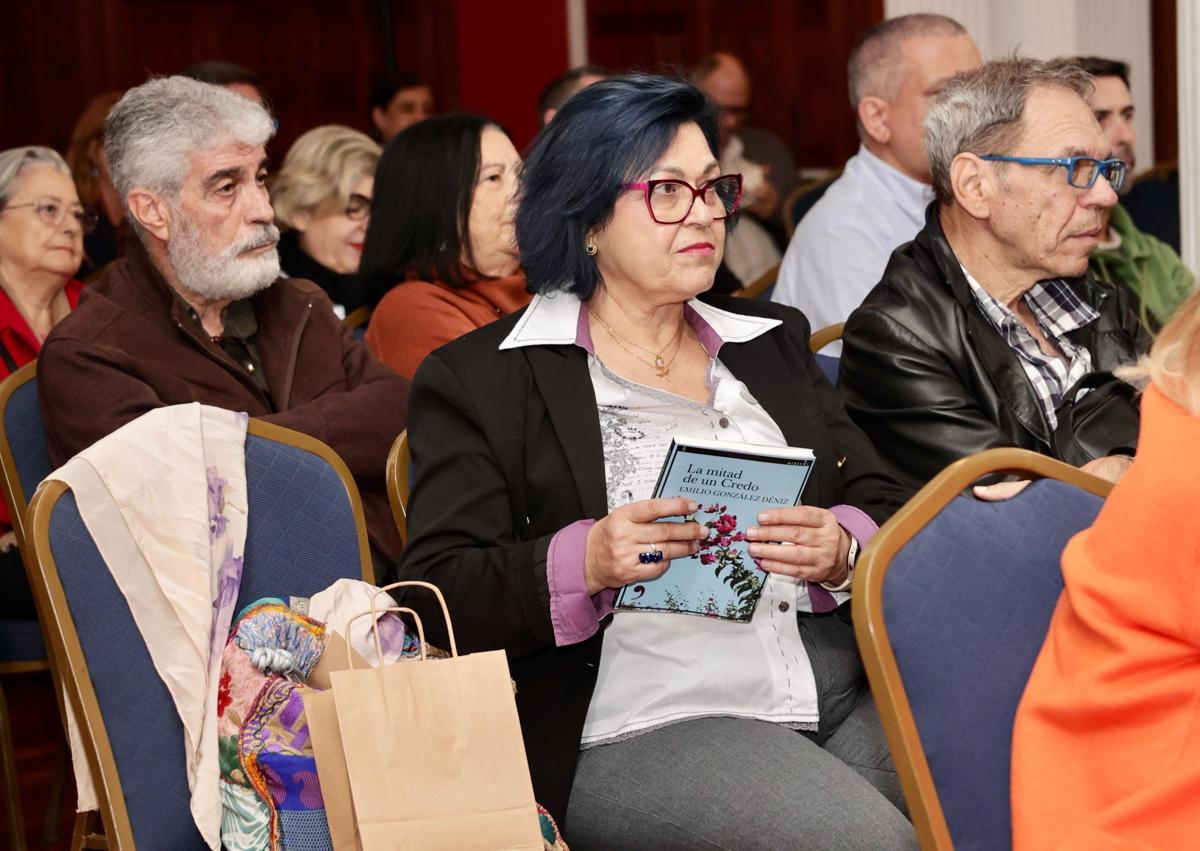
(399,101)
(441,258)
(537,441)
(232,76)
(1105,751)
(983,323)
(766,164)
(322,201)
(563,86)
(840,248)
(197,310)
(85,156)
(42,225)
(768,173)
(1150,268)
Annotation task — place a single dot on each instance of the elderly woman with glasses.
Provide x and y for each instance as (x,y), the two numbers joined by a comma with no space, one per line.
(322,202)
(536,443)
(42,225)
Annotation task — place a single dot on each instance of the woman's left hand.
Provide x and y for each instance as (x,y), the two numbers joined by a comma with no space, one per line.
(819,546)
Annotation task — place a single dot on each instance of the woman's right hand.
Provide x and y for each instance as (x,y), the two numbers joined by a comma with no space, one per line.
(614,542)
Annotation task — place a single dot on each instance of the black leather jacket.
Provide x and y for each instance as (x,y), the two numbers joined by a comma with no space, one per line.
(929,379)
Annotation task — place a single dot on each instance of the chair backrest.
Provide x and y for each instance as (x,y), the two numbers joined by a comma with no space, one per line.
(305,530)
(801,199)
(356,321)
(399,480)
(760,288)
(24,458)
(819,340)
(951,603)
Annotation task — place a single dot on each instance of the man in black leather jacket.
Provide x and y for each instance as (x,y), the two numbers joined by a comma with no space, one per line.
(984,321)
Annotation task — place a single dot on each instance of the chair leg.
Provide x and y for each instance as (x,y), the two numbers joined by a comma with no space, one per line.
(58,785)
(8,780)
(87,833)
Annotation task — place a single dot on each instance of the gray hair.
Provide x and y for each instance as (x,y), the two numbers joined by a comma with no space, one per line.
(980,111)
(152,130)
(15,160)
(877,58)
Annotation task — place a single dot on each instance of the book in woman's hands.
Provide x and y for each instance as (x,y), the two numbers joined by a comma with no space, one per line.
(733,482)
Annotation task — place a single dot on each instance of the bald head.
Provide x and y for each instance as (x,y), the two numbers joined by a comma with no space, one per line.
(724,78)
(877,61)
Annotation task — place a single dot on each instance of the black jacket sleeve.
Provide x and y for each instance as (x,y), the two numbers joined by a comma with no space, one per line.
(464,538)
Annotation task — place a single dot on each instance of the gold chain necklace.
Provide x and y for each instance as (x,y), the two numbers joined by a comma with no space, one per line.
(661,367)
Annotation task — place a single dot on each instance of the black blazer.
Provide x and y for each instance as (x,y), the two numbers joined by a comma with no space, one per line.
(507,451)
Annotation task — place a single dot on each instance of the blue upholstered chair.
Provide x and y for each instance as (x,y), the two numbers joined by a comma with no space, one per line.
(24,462)
(305,530)
(356,321)
(951,602)
(801,199)
(819,340)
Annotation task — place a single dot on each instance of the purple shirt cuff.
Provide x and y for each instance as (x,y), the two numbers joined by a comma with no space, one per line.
(574,614)
(854,521)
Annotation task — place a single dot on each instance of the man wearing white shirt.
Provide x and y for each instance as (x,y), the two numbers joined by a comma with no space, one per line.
(841,247)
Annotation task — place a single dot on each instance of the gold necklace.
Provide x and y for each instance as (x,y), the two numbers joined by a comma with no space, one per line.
(662,367)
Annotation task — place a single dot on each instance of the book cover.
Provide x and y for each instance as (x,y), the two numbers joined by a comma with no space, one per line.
(733,482)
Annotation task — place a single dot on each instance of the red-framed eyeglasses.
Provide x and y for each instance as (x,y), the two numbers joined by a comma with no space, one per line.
(670,201)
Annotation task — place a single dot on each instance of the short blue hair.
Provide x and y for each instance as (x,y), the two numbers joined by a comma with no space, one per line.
(606,135)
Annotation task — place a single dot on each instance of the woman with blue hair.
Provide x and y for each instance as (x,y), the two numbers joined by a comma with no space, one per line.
(536,442)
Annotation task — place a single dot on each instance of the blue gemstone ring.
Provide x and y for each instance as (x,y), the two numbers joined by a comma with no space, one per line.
(652,557)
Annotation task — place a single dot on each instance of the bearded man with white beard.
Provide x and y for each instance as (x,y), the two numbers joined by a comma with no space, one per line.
(198,311)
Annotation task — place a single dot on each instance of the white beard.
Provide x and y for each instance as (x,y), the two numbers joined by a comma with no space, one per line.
(223,275)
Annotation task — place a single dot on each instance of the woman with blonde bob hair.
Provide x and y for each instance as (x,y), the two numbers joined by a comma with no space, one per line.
(1106,747)
(322,201)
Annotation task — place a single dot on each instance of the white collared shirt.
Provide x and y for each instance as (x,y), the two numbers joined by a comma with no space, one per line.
(660,668)
(841,247)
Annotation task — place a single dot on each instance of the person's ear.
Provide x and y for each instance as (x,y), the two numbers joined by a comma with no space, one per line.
(548,115)
(150,211)
(974,183)
(378,118)
(301,219)
(874,114)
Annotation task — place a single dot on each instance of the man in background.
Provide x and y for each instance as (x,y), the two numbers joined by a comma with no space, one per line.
(841,247)
(236,78)
(1150,269)
(764,161)
(559,90)
(399,101)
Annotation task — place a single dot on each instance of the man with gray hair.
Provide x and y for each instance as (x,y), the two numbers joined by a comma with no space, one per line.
(198,311)
(840,248)
(983,326)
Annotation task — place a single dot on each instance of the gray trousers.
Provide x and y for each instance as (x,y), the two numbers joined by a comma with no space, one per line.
(730,783)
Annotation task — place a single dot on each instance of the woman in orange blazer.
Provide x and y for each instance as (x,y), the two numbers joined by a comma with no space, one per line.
(1106,747)
(440,257)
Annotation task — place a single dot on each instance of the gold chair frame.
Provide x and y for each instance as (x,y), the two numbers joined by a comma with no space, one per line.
(357,318)
(828,334)
(895,711)
(759,285)
(789,202)
(60,628)
(398,461)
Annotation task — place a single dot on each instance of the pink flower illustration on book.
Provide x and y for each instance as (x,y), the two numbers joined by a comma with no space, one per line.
(718,551)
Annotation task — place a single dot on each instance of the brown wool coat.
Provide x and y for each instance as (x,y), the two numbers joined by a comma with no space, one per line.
(130,347)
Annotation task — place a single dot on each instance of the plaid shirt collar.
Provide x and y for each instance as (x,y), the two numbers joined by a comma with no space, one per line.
(1058,310)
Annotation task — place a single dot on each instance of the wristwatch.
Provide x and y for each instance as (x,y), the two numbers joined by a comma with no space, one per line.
(851,558)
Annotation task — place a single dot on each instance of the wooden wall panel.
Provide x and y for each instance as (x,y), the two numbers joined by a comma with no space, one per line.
(316,57)
(795,50)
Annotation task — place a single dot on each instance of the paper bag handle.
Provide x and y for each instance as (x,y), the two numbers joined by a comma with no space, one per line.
(373,612)
(416,583)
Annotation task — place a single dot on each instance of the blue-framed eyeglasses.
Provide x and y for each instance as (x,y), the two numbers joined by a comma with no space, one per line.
(1081,171)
